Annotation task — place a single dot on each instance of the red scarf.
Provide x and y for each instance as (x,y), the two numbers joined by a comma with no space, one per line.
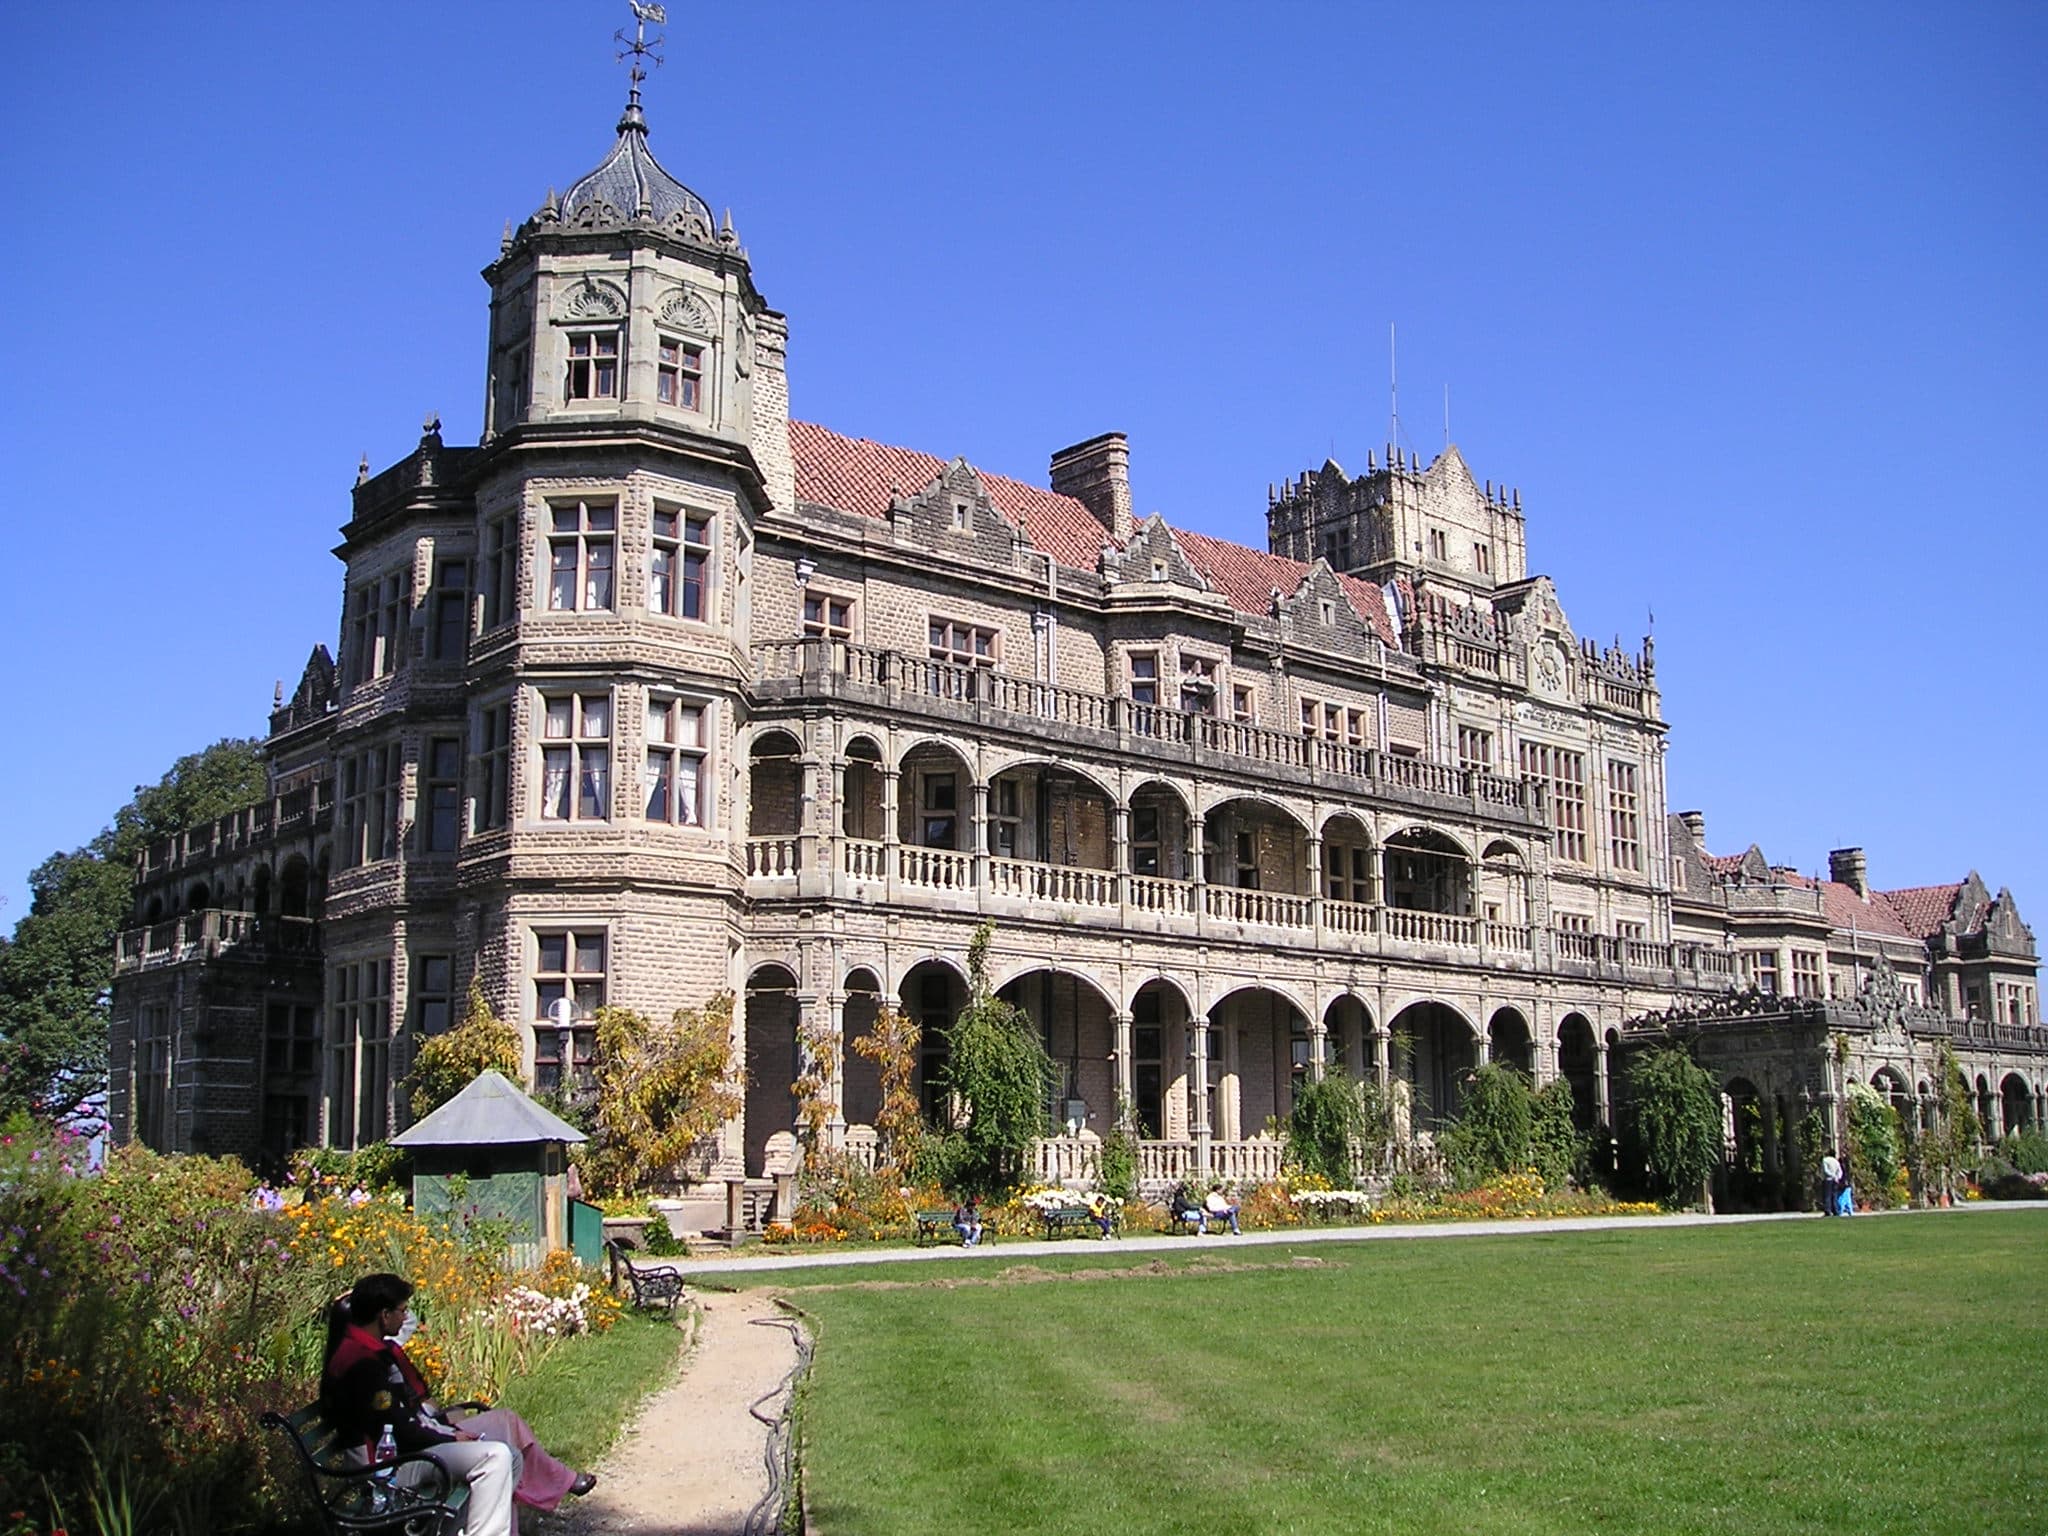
(372,1342)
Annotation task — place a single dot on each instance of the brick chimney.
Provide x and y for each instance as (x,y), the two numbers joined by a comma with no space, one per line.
(1696,824)
(1845,867)
(1097,474)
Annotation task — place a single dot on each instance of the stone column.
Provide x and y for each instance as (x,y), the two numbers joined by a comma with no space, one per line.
(1198,1096)
(978,836)
(1121,1042)
(1603,1110)
(892,779)
(835,1087)
(1382,1054)
(1318,1048)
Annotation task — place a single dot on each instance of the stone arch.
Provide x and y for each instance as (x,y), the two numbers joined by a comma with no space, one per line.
(860,798)
(259,900)
(1888,1081)
(775,782)
(1350,871)
(1262,1029)
(1510,1042)
(935,798)
(1072,1014)
(860,1079)
(1158,830)
(771,1014)
(1252,842)
(1347,1021)
(153,911)
(2015,1104)
(197,896)
(1047,813)
(293,887)
(1578,1063)
(932,992)
(1436,1049)
(1424,869)
(1160,1050)
(1503,881)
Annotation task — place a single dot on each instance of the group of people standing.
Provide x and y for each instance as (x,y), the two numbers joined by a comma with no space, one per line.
(1836,1196)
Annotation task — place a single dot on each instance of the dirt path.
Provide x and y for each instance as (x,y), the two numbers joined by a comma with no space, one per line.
(691,1463)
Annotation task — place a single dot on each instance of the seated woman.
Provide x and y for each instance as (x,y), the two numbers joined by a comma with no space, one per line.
(1220,1208)
(967,1221)
(369,1382)
(1185,1209)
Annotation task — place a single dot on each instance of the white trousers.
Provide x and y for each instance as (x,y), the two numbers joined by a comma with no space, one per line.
(492,1472)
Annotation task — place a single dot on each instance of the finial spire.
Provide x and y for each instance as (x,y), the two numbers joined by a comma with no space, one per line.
(639,49)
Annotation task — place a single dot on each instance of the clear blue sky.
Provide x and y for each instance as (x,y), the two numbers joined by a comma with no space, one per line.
(1748,301)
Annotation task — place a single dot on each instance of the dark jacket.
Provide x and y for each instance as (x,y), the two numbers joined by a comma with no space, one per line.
(369,1383)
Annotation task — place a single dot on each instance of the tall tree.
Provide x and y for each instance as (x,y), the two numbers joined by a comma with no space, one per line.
(58,970)
(998,1069)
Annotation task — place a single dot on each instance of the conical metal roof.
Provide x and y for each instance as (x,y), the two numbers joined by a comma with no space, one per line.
(491,1111)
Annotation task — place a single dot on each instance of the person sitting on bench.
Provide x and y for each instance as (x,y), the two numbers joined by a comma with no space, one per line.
(1220,1208)
(1186,1209)
(967,1221)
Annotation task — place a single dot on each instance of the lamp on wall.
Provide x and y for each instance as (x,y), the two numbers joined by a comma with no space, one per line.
(806,568)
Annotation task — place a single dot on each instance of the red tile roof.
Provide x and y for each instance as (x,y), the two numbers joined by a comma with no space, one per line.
(1724,863)
(854,474)
(1248,576)
(1923,908)
(857,475)
(1847,910)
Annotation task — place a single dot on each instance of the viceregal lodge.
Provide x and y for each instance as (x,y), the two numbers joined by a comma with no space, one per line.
(655,693)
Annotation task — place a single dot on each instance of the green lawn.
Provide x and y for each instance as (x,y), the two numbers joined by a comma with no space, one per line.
(1847,1376)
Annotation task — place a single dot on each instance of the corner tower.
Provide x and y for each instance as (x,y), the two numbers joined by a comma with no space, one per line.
(624,303)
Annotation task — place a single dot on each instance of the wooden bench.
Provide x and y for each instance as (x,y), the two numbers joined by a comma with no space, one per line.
(1067,1218)
(653,1285)
(347,1493)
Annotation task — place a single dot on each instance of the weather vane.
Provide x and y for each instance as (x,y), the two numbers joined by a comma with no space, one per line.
(644,11)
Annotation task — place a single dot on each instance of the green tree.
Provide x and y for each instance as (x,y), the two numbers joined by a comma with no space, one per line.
(1678,1121)
(57,971)
(661,1088)
(446,1064)
(998,1069)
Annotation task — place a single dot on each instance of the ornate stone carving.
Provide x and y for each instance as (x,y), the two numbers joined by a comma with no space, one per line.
(685,311)
(592,300)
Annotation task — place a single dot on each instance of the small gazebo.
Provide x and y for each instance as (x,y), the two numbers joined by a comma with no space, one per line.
(492,1154)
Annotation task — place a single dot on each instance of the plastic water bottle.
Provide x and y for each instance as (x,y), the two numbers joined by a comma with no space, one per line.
(381,1480)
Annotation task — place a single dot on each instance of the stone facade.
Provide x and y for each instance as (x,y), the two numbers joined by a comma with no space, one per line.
(654,694)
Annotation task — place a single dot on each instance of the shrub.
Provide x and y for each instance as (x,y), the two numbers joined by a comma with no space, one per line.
(2027,1151)
(1677,1114)
(1333,1119)
(1491,1133)
(1119,1161)
(1556,1149)
(1875,1163)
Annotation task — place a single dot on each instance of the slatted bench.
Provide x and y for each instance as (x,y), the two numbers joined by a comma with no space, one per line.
(937,1227)
(1063,1219)
(347,1493)
(653,1285)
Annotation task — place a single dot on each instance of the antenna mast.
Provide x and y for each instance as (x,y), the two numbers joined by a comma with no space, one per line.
(1393,390)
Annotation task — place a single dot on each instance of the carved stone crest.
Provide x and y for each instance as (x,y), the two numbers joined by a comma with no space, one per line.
(685,311)
(592,300)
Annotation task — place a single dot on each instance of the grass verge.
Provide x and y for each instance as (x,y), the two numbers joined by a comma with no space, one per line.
(588,1386)
(1870,1375)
